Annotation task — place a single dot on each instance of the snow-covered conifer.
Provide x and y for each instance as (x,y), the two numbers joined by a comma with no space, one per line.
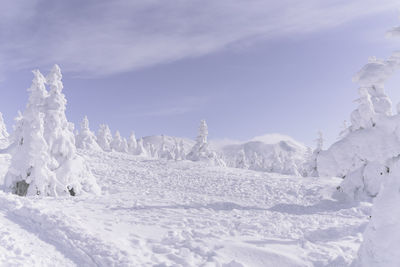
(241,161)
(104,137)
(132,144)
(17,133)
(152,150)
(141,151)
(164,152)
(312,168)
(201,151)
(72,173)
(3,129)
(86,139)
(182,152)
(29,173)
(118,143)
(124,146)
(176,153)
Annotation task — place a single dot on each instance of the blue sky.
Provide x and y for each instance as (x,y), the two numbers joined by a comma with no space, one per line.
(156,67)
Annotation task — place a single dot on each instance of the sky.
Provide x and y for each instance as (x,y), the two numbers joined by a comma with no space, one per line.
(158,67)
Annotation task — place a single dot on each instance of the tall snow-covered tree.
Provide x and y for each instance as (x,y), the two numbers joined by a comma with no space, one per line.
(3,129)
(312,168)
(201,151)
(132,144)
(71,170)
(86,139)
(164,152)
(152,150)
(182,150)
(118,143)
(176,153)
(104,137)
(141,151)
(29,173)
(124,146)
(241,160)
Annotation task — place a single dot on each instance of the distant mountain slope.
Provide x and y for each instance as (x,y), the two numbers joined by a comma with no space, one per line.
(271,153)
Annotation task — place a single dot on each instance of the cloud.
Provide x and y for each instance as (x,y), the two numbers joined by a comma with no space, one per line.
(164,112)
(101,37)
(175,106)
(395,32)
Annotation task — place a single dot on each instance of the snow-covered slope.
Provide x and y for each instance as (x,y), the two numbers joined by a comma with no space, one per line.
(271,153)
(182,213)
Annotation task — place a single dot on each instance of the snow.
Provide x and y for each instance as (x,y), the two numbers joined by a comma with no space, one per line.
(183,213)
(382,236)
(99,200)
(270,153)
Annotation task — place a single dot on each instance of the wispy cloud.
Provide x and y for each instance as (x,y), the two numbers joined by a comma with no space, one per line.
(186,104)
(101,37)
(164,112)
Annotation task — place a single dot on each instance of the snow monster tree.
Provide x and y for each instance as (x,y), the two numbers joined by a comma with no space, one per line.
(45,161)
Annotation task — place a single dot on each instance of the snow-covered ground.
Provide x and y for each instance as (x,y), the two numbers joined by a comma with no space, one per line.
(182,213)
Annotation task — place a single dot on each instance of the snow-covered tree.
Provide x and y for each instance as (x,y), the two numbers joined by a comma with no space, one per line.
(152,150)
(17,133)
(118,144)
(363,157)
(86,139)
(3,129)
(382,235)
(104,137)
(141,151)
(201,151)
(182,155)
(4,136)
(312,163)
(241,161)
(124,146)
(29,173)
(72,173)
(176,151)
(132,144)
(164,152)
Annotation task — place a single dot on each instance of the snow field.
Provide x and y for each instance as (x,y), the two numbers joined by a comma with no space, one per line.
(166,213)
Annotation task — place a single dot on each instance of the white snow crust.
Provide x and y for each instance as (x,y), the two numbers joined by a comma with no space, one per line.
(182,213)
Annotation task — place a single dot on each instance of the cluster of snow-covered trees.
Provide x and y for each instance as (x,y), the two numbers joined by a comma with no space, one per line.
(367,157)
(44,159)
(104,140)
(43,145)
